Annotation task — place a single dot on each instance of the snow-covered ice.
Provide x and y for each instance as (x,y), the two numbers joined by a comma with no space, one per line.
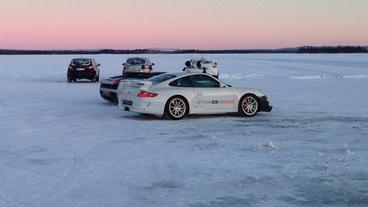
(62,145)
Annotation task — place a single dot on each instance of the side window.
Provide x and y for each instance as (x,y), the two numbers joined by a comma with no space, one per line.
(182,82)
(204,81)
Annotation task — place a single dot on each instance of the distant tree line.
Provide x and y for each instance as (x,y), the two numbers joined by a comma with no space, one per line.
(306,49)
(137,51)
(331,49)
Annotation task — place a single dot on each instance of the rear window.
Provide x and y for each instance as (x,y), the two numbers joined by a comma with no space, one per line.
(136,61)
(161,78)
(81,62)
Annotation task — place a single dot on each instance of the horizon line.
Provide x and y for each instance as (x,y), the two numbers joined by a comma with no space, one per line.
(185,49)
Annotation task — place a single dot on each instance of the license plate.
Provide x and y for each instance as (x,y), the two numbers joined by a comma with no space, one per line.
(80,69)
(127,102)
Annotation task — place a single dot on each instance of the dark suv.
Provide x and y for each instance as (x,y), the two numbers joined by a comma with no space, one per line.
(83,68)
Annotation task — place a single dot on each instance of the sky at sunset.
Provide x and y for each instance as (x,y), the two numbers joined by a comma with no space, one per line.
(186,24)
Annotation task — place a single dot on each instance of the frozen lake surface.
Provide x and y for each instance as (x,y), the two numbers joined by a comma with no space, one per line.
(62,145)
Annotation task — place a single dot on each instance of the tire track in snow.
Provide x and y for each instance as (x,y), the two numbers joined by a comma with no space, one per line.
(322,74)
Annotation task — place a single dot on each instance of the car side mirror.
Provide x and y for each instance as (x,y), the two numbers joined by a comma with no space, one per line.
(98,65)
(153,64)
(123,64)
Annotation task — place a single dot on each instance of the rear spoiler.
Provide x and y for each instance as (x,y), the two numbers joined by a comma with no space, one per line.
(135,75)
(144,85)
(141,75)
(139,84)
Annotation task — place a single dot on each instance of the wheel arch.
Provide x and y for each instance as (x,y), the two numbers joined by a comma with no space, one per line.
(181,96)
(248,94)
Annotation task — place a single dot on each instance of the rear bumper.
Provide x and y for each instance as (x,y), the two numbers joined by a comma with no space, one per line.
(153,107)
(82,75)
(137,70)
(264,104)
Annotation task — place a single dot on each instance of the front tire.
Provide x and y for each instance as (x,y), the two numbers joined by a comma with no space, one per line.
(69,79)
(248,105)
(176,108)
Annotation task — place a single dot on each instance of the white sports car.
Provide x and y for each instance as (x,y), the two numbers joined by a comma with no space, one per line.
(175,95)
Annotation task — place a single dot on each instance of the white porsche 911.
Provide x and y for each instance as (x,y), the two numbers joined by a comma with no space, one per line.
(175,95)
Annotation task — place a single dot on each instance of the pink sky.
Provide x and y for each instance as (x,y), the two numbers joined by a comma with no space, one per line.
(197,24)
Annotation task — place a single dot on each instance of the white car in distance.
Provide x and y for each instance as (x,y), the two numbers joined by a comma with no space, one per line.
(202,66)
(138,65)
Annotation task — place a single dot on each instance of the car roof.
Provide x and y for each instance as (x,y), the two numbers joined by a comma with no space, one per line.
(185,74)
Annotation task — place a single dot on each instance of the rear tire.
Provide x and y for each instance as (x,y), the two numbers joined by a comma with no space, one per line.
(115,100)
(176,108)
(248,105)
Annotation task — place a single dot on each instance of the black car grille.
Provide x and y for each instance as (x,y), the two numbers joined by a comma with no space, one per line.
(109,86)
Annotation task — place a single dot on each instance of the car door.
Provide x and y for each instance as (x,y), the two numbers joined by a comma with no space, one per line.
(211,96)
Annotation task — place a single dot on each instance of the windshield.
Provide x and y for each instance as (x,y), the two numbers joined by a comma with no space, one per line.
(136,61)
(81,62)
(161,78)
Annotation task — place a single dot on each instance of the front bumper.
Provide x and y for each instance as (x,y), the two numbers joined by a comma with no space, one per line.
(264,104)
(108,91)
(109,95)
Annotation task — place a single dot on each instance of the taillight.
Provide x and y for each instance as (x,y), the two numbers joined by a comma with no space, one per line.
(144,94)
(116,82)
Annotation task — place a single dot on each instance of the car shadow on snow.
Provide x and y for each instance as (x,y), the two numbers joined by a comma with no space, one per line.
(148,117)
(81,82)
(107,103)
(141,117)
